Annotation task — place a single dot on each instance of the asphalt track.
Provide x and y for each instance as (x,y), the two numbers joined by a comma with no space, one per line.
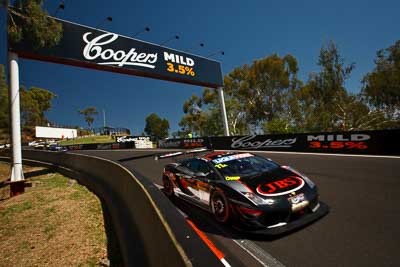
(362,228)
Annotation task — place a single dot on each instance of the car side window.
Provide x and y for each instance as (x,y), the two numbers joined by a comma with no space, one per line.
(202,167)
(197,165)
(191,165)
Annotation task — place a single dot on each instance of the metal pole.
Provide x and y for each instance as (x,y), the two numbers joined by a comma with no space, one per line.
(104,118)
(223,111)
(16,170)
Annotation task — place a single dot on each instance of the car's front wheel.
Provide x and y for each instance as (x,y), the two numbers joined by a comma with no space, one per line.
(220,207)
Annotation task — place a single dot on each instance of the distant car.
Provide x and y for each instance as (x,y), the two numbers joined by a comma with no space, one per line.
(56,147)
(248,190)
(37,144)
(3,146)
(40,146)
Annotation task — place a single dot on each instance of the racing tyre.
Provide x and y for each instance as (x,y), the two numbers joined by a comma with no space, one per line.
(168,187)
(220,207)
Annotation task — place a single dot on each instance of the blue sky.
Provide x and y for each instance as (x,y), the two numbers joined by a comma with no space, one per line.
(245,30)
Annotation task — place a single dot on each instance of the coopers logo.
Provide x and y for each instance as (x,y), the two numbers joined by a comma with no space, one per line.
(94,50)
(250,143)
(281,187)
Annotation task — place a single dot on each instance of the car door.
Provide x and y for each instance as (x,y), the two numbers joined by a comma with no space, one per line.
(185,179)
(201,180)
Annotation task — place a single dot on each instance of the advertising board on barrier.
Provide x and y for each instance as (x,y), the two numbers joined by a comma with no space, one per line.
(185,143)
(258,142)
(135,141)
(339,141)
(357,142)
(379,142)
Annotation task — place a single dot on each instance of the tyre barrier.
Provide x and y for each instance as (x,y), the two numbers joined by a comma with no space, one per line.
(148,228)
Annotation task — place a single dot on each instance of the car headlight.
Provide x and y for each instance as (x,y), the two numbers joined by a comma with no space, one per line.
(258,200)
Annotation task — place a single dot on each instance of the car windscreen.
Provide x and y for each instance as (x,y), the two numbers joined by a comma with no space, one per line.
(243,165)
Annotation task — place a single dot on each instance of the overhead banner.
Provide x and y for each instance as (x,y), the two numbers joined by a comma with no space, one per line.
(93,48)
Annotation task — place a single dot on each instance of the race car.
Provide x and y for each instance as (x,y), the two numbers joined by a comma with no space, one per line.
(245,190)
(56,147)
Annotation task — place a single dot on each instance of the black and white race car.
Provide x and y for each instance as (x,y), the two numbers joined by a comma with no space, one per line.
(245,189)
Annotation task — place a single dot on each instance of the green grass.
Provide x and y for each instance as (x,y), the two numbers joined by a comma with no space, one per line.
(88,140)
(52,180)
(17,208)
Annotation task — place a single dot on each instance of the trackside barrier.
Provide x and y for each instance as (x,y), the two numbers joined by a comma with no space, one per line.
(382,142)
(150,231)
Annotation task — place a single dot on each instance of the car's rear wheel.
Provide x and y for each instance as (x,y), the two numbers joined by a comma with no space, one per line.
(168,186)
(220,207)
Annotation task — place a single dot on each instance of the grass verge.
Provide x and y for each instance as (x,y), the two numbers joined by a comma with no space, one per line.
(56,222)
(88,140)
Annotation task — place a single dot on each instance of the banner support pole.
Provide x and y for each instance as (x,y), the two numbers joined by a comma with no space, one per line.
(17,175)
(223,111)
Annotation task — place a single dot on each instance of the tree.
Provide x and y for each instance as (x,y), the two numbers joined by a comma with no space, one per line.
(30,22)
(34,103)
(270,80)
(267,96)
(157,127)
(381,87)
(89,113)
(254,95)
(320,100)
(194,118)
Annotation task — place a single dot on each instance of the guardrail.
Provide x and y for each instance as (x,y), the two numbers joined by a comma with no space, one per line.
(149,229)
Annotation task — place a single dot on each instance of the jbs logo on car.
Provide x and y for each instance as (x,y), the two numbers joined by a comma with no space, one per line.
(281,187)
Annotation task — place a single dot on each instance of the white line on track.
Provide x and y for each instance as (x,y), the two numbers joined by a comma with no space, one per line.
(263,257)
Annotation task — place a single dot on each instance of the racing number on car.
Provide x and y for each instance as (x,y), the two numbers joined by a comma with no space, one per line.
(220,166)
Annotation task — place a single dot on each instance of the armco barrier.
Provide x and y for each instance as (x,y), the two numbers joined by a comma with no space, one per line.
(382,142)
(149,230)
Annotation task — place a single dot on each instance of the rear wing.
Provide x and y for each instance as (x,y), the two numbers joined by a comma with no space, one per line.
(181,153)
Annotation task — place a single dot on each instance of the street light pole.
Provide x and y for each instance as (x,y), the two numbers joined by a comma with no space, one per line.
(17,175)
